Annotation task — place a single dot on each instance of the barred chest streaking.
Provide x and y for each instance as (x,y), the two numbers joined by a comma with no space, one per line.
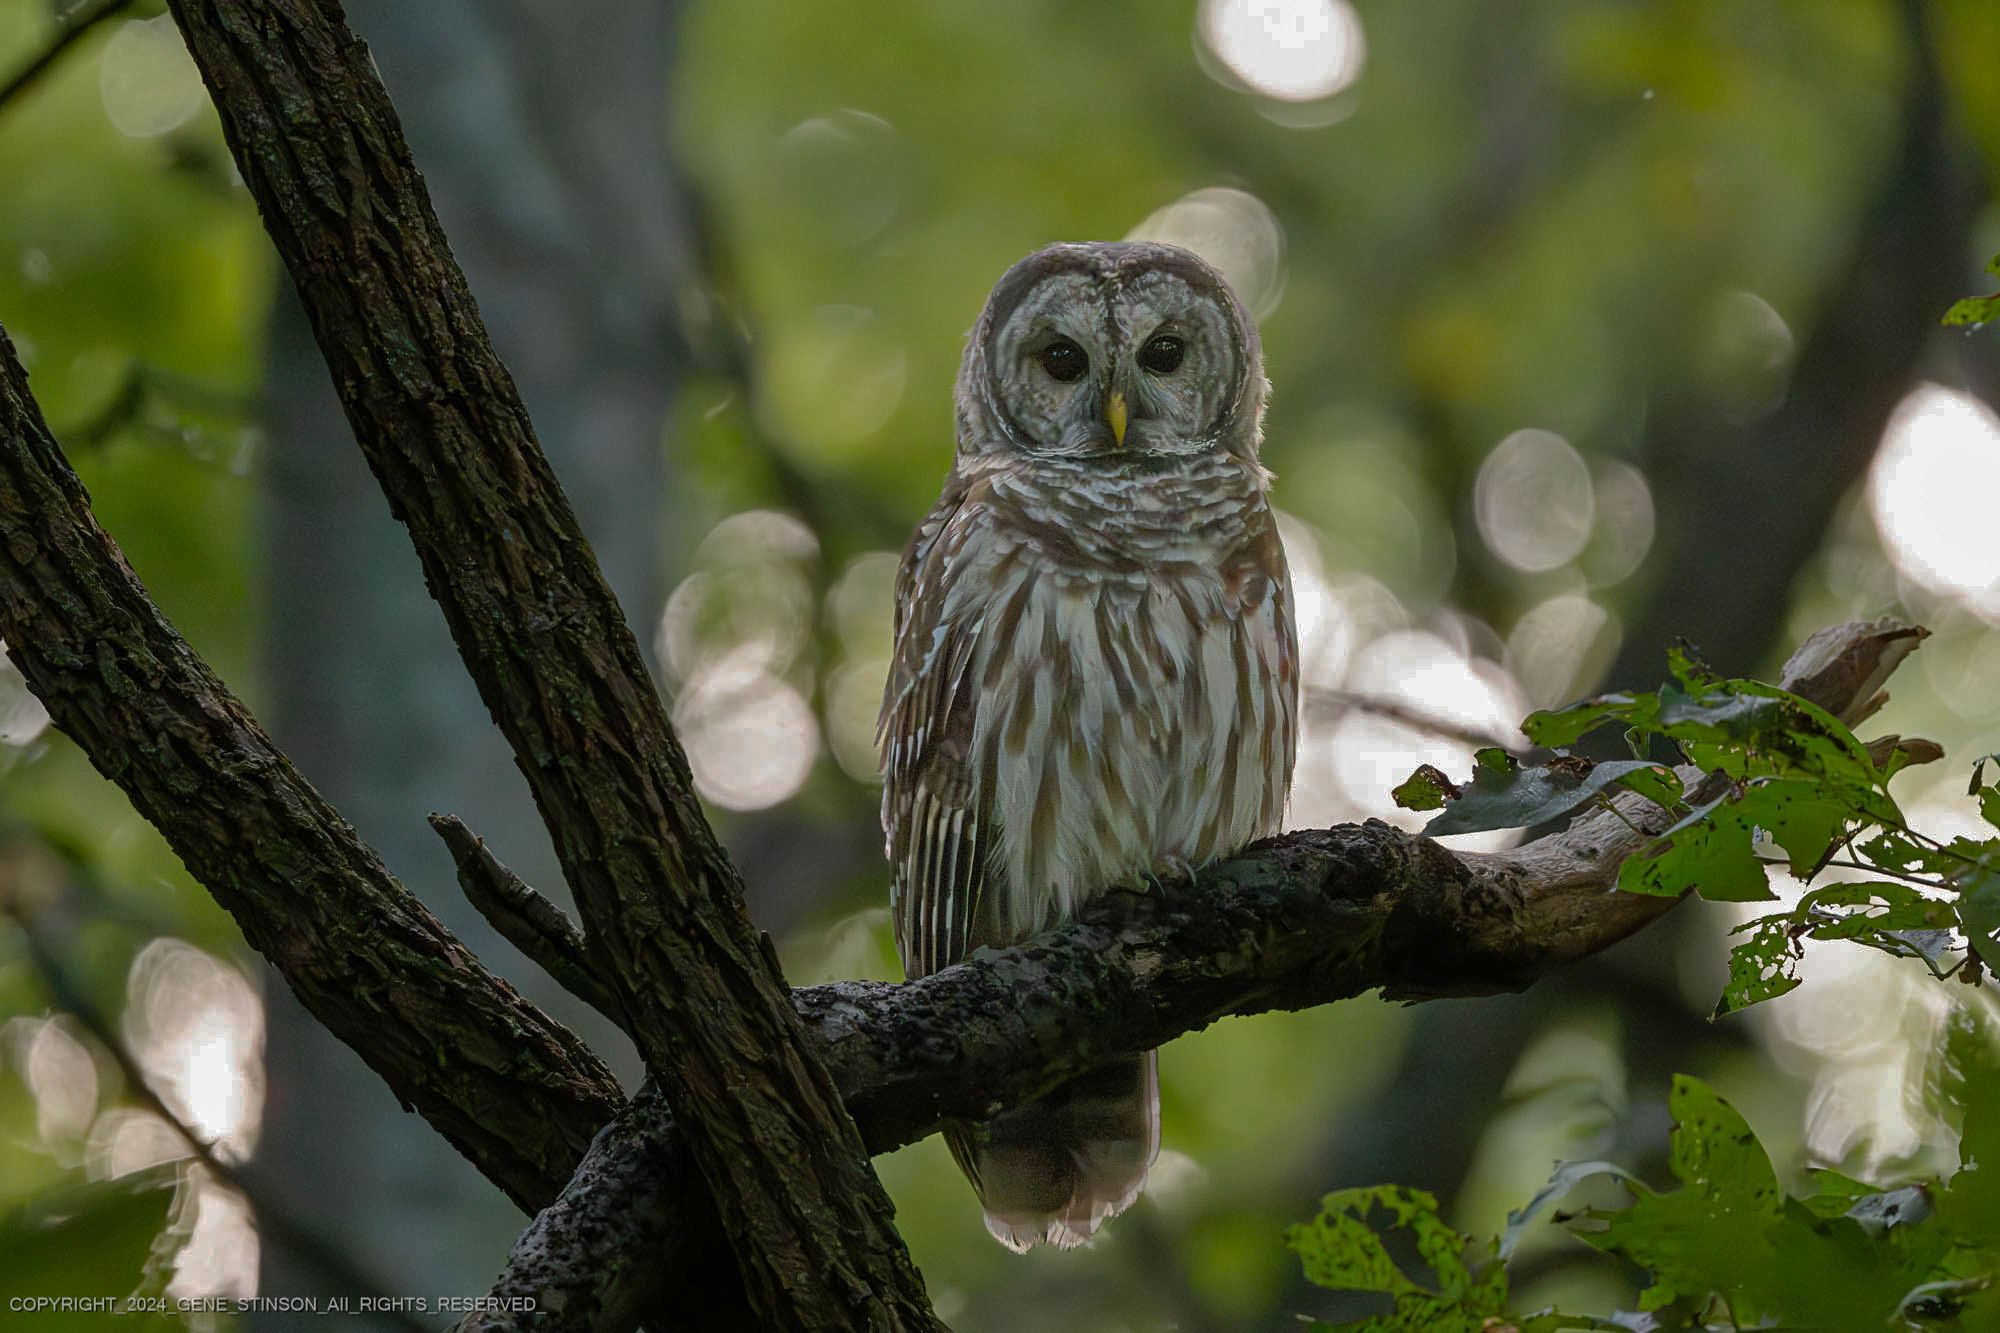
(1147,621)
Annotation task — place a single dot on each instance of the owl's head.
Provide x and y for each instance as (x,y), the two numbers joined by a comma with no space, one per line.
(1112,350)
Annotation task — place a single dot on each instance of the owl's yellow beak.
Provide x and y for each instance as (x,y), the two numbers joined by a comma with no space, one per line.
(1114,416)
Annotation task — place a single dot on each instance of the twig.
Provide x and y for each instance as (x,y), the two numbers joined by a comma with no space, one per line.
(1423,720)
(142,384)
(525,919)
(68,32)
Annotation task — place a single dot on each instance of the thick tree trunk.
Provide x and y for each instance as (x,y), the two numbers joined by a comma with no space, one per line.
(443,428)
(543,135)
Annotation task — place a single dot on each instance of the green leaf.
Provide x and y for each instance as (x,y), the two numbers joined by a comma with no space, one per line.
(1798,815)
(1835,1193)
(1977,309)
(1711,852)
(1880,906)
(1426,789)
(1562,726)
(1567,1176)
(1341,1251)
(1503,794)
(77,1242)
(1979,912)
(1658,784)
(1974,310)
(1714,1233)
(1761,968)
(1688,670)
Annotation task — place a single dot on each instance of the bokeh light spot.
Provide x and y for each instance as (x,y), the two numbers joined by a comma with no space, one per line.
(832,379)
(1623,533)
(751,738)
(1560,647)
(1371,751)
(147,82)
(1931,489)
(59,1073)
(846,170)
(748,594)
(1292,50)
(1534,501)
(862,602)
(219,1260)
(197,1028)
(1743,354)
(1234,231)
(853,703)
(125,1139)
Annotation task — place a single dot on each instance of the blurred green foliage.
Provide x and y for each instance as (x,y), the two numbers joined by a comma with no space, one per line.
(1729,1249)
(1798,781)
(1800,784)
(1546,216)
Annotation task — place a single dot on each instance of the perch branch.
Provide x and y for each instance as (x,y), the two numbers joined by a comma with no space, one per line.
(1294,921)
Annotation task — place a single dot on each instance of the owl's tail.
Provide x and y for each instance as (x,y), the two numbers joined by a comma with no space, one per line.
(1054,1169)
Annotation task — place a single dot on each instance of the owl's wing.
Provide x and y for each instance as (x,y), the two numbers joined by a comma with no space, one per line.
(937,841)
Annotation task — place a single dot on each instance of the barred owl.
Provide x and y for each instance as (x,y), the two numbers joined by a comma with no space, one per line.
(1095,673)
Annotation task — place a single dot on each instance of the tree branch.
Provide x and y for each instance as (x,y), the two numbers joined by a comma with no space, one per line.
(525,919)
(320,149)
(1294,921)
(1782,476)
(515,1092)
(70,29)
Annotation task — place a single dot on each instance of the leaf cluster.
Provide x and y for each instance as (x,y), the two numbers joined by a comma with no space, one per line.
(1977,309)
(1728,1249)
(1786,783)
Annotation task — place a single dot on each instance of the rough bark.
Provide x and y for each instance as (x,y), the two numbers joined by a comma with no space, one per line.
(440,422)
(543,134)
(516,1093)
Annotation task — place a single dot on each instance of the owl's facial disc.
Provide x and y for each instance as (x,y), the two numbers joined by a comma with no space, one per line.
(1114,350)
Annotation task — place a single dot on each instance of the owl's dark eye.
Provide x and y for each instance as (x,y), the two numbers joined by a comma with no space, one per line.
(1064,360)
(1162,354)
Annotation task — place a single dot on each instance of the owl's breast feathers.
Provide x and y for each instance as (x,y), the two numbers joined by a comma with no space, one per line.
(1095,676)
